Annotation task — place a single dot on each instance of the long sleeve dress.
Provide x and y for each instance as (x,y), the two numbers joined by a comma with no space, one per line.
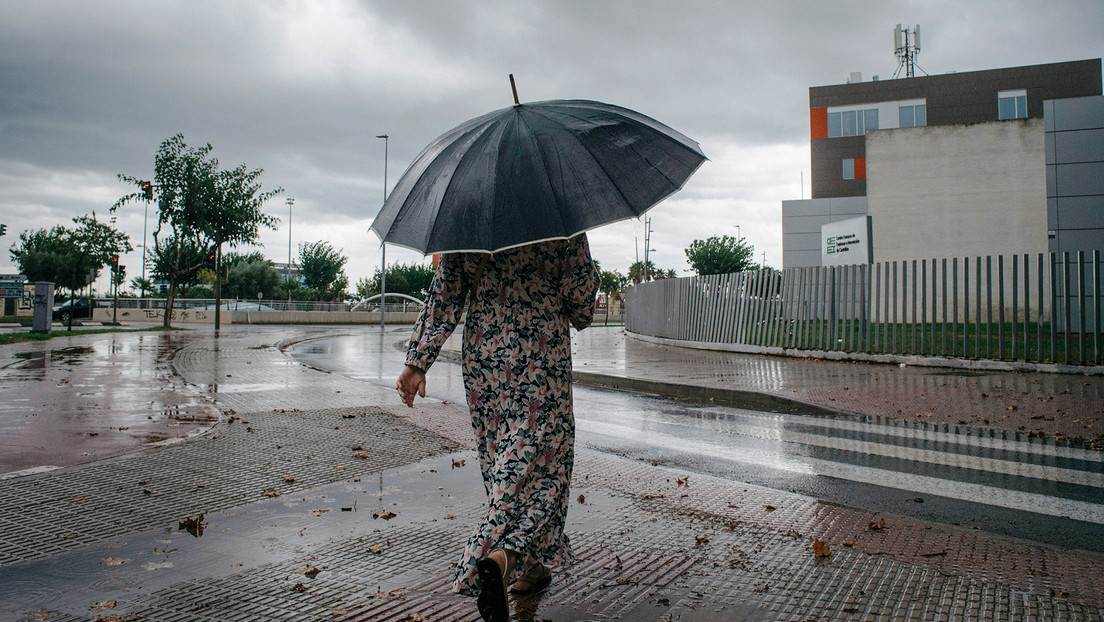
(517,376)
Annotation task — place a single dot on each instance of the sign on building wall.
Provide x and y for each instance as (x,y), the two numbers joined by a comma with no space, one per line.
(846,242)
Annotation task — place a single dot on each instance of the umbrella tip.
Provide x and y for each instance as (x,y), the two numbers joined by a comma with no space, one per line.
(513,88)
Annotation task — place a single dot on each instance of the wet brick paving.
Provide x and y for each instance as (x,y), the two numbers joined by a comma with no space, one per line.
(652,543)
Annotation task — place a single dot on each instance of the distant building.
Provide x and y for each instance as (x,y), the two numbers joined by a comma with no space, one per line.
(962,164)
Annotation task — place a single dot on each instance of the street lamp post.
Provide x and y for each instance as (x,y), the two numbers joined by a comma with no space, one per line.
(287,270)
(383,245)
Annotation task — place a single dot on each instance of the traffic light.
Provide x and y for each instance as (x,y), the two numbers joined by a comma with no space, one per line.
(3,229)
(147,190)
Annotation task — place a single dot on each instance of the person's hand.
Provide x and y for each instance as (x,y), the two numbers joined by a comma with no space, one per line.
(411,381)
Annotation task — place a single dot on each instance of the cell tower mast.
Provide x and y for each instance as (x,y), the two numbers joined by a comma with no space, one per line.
(906,46)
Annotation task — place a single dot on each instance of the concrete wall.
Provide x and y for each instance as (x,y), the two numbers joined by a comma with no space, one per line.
(801,222)
(957,191)
(200,316)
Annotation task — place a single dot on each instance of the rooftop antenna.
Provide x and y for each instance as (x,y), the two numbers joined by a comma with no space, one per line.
(906,46)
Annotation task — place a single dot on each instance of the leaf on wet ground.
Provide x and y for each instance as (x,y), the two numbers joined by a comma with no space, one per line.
(877,525)
(269,493)
(68,535)
(115,561)
(361,454)
(451,517)
(413,617)
(384,515)
(375,549)
(821,549)
(456,464)
(700,540)
(769,508)
(107,604)
(581,499)
(319,512)
(79,500)
(682,481)
(113,618)
(299,587)
(193,526)
(310,572)
(289,480)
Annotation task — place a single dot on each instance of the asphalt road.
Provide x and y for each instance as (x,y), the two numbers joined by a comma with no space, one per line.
(1017,488)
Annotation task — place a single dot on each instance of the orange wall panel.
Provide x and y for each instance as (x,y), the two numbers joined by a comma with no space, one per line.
(818,122)
(860,168)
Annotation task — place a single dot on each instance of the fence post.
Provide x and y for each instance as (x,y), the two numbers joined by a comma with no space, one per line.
(1081,307)
(1015,303)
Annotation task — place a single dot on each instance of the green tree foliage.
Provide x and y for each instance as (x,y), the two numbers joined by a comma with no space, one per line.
(200,208)
(323,269)
(410,279)
(610,283)
(720,255)
(249,275)
(69,257)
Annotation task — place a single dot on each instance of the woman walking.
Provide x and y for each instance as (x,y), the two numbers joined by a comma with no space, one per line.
(521,305)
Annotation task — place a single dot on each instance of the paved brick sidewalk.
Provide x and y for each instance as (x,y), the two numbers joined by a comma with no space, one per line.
(323,500)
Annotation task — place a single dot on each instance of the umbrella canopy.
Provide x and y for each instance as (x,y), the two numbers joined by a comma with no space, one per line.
(532,172)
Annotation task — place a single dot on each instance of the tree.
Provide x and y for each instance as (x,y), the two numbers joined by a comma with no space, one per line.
(249,275)
(720,255)
(410,279)
(323,268)
(70,258)
(611,283)
(637,272)
(200,208)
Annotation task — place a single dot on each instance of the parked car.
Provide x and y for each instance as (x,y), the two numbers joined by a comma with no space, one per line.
(78,308)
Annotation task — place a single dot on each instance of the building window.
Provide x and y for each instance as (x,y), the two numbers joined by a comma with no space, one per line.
(852,122)
(1012,105)
(913,116)
(849,168)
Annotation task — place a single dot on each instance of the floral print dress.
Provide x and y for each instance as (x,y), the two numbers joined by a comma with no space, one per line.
(517,375)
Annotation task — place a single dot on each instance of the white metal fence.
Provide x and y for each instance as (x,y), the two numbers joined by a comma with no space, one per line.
(1036,308)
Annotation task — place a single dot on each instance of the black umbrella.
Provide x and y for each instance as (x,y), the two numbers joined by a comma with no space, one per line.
(532,172)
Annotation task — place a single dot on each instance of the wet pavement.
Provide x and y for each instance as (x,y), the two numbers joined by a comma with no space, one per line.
(322,499)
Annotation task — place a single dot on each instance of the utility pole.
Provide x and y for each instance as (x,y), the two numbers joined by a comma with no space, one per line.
(383,245)
(287,271)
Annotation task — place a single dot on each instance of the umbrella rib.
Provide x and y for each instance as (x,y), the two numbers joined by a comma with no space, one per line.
(547,173)
(468,153)
(614,182)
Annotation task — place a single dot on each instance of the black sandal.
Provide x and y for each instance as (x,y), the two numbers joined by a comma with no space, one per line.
(492,601)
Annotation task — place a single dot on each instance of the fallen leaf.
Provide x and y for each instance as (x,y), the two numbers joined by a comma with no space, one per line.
(361,454)
(682,481)
(312,572)
(456,464)
(414,617)
(374,549)
(114,561)
(700,540)
(107,604)
(848,544)
(80,500)
(581,499)
(385,515)
(289,479)
(68,535)
(149,491)
(299,587)
(193,526)
(319,512)
(769,508)
(270,493)
(451,517)
(877,525)
(821,549)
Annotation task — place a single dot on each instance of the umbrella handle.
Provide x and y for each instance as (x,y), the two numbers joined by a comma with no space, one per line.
(514,89)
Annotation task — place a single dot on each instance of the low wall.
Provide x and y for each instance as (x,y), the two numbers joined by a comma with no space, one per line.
(207,316)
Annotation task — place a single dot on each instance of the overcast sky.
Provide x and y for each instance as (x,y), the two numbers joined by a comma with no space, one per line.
(89,89)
